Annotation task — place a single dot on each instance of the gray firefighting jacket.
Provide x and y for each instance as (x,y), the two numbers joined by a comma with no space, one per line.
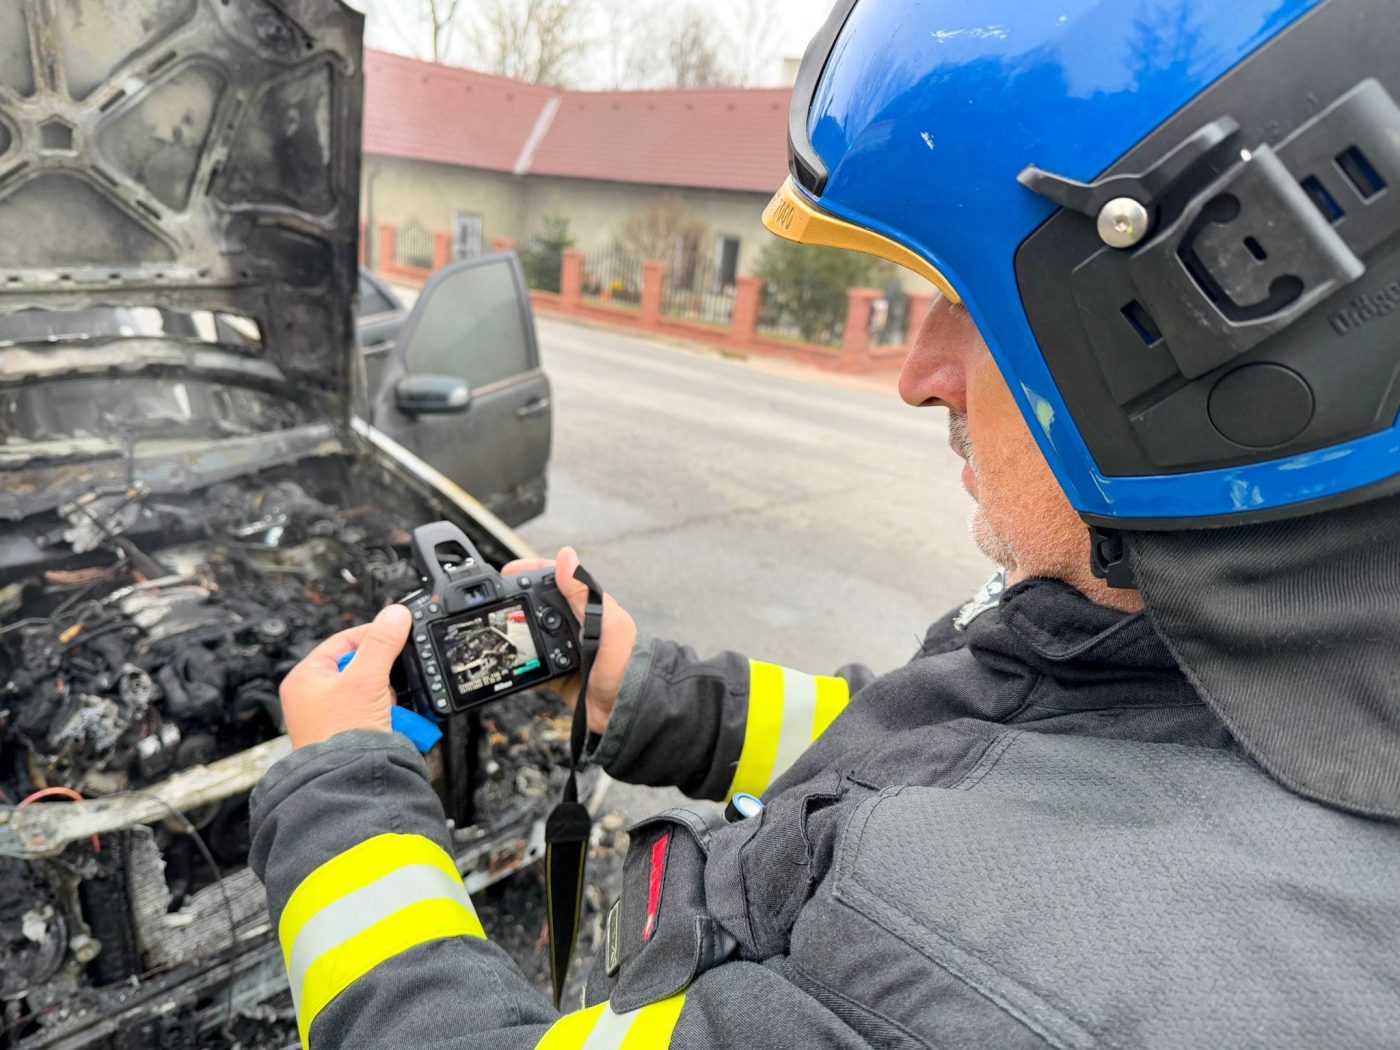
(1032,835)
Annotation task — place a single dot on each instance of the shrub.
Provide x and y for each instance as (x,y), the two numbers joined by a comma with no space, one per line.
(543,258)
(806,287)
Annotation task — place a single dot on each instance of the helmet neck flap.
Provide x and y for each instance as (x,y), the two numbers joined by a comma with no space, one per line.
(1290,631)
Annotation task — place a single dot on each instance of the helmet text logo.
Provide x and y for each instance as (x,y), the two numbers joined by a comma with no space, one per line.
(1366,308)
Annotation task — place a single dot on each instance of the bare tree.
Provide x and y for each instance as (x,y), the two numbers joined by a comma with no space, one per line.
(443,17)
(665,231)
(623,50)
(692,50)
(534,40)
(753,40)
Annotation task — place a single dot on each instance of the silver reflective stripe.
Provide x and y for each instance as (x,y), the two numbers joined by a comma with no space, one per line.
(610,1030)
(799,715)
(350,916)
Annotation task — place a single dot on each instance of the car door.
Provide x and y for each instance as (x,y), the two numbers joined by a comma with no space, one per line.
(474,323)
(380,317)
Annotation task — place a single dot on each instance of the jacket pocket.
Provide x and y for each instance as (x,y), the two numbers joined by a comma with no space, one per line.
(662,937)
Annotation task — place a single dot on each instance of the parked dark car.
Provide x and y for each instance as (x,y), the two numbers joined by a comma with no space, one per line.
(381,315)
(200,477)
(498,447)
(482,333)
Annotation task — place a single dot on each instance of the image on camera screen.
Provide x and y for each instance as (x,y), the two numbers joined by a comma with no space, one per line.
(490,652)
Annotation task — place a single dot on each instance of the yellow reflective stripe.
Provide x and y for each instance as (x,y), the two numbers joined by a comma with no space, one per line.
(791,216)
(363,907)
(337,923)
(787,711)
(407,928)
(654,1024)
(570,1031)
(598,1028)
(353,870)
(833,696)
(755,770)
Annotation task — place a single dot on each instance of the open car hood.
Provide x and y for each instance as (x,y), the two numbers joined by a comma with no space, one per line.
(192,155)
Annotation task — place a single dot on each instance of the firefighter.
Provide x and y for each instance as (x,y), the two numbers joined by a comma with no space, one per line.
(1144,792)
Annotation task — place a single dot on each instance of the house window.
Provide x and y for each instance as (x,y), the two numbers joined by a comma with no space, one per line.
(726,262)
(467,235)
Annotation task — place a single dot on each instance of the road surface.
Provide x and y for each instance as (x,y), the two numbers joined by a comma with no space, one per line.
(797,519)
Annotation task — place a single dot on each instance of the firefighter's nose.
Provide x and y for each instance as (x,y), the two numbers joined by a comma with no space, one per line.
(935,372)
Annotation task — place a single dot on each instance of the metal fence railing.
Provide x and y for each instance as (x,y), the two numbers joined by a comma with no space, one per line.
(890,320)
(825,326)
(694,292)
(415,245)
(613,275)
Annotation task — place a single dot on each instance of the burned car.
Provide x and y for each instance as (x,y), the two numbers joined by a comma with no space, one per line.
(198,482)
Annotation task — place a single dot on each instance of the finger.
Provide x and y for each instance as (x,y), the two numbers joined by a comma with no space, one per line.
(573,590)
(382,643)
(515,568)
(338,645)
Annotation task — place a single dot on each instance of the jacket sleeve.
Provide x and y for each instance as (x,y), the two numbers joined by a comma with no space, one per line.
(383,947)
(716,727)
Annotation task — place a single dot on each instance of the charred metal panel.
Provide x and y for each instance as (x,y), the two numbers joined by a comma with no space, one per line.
(159,141)
(94,40)
(16,64)
(190,154)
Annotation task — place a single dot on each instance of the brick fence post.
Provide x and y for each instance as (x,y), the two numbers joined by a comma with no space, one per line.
(503,244)
(855,346)
(571,279)
(364,244)
(748,307)
(653,292)
(388,246)
(919,305)
(442,249)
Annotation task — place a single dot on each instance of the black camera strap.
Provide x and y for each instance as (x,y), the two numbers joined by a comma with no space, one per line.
(570,825)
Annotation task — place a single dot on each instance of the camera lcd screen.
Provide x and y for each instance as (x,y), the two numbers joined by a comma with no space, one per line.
(490,652)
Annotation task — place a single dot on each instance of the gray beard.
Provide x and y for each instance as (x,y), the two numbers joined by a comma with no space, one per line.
(992,543)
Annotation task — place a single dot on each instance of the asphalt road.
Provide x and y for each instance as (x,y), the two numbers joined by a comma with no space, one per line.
(788,516)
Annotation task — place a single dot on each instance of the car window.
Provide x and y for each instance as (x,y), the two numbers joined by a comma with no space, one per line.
(372,300)
(472,326)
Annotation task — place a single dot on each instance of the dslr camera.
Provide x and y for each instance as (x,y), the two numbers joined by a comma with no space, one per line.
(479,636)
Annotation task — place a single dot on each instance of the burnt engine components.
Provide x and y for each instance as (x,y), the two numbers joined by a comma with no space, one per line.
(117,680)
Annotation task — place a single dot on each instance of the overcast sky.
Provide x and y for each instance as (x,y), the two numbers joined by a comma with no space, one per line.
(398,25)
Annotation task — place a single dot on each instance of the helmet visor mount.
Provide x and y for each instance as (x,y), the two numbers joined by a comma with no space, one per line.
(913,119)
(791,214)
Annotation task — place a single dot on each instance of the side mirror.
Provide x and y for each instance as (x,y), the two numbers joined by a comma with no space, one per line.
(432,395)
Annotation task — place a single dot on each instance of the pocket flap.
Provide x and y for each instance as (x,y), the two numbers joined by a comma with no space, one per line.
(665,938)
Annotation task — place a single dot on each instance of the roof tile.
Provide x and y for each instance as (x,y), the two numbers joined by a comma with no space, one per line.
(710,138)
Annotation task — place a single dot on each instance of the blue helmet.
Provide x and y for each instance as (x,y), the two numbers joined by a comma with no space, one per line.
(1175,222)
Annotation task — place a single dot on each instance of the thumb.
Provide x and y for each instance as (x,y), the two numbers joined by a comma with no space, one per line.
(383,642)
(574,591)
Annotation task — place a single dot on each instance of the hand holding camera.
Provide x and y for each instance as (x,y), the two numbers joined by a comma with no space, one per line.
(619,638)
(470,636)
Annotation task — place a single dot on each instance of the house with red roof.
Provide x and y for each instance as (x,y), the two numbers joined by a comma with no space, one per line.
(489,158)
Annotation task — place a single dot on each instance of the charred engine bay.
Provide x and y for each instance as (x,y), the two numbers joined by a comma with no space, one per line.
(145,636)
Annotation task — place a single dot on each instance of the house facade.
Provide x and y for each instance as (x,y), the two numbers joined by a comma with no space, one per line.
(489,158)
